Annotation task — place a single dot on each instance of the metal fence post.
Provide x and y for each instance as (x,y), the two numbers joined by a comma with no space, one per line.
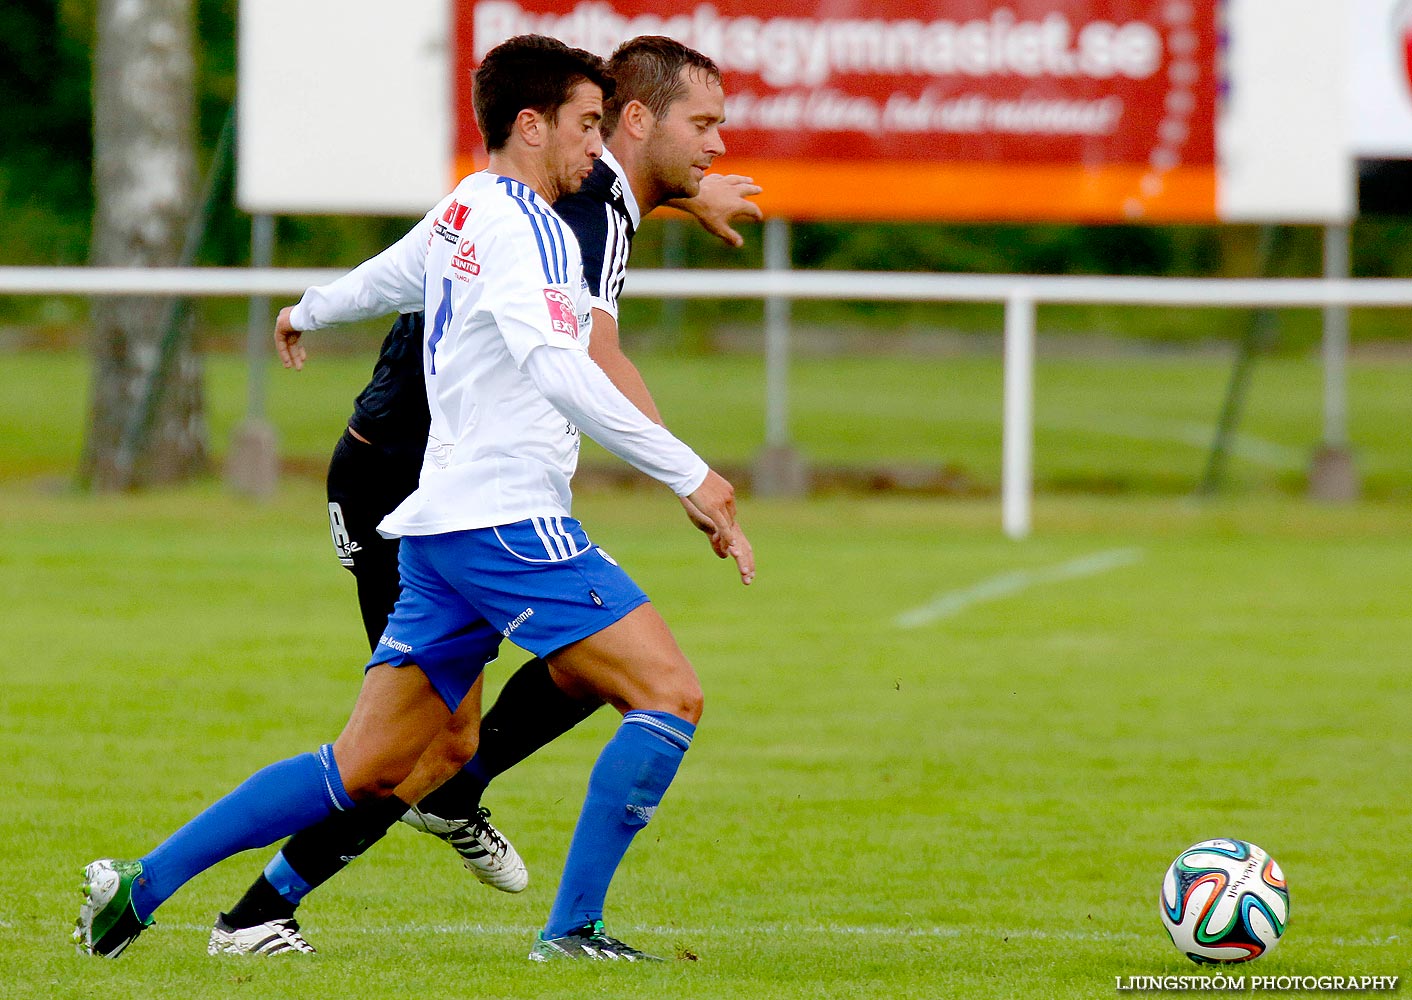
(779,469)
(253,465)
(1017,472)
(1333,477)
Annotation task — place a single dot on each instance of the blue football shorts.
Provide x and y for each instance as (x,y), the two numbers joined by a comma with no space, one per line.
(539,582)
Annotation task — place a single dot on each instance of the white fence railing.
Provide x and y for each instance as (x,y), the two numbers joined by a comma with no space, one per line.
(875,286)
(1020,294)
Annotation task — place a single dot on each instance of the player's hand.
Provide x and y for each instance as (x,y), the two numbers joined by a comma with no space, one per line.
(703,523)
(723,199)
(291,352)
(720,544)
(714,499)
(738,548)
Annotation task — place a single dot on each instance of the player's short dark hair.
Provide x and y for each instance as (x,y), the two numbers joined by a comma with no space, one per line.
(648,69)
(530,72)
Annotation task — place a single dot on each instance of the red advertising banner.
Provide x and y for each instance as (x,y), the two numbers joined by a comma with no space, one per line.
(1090,110)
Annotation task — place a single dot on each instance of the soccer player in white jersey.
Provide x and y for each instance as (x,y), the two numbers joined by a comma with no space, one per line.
(490,548)
(662,129)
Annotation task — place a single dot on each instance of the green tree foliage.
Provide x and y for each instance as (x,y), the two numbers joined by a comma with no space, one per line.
(46,158)
(47,153)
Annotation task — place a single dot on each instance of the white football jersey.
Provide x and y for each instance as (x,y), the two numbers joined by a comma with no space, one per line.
(499,275)
(503,276)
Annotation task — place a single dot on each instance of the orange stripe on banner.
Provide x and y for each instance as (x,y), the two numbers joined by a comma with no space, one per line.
(973,191)
(981,191)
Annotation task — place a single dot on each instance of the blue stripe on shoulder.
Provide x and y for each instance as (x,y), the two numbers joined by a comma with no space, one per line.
(554,229)
(556,236)
(518,192)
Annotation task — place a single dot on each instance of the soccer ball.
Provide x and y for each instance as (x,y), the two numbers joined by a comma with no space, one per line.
(1224,901)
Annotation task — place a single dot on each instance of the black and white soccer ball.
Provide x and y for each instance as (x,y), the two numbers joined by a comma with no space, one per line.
(1224,901)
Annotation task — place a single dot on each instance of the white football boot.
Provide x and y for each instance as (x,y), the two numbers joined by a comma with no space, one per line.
(484,850)
(273,937)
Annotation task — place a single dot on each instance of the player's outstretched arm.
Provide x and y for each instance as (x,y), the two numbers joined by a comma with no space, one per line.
(723,199)
(579,390)
(392,281)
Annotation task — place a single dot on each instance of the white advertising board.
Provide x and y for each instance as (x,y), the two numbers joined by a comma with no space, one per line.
(1381,79)
(1282,145)
(343,108)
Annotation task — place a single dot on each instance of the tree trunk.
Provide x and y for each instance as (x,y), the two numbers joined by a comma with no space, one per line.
(146,420)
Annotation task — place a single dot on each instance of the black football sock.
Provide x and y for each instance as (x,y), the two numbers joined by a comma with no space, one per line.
(260,903)
(530,712)
(311,857)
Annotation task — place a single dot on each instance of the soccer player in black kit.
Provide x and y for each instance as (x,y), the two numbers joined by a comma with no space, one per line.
(661,132)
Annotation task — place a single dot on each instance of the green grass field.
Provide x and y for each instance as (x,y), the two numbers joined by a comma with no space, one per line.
(1125,424)
(978,803)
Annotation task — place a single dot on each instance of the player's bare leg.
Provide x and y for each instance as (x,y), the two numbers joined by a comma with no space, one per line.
(483,850)
(453,745)
(530,712)
(397,711)
(633,664)
(396,717)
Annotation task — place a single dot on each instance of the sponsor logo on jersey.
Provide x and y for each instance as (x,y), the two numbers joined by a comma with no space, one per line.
(465,259)
(451,222)
(517,621)
(401,647)
(455,215)
(561,313)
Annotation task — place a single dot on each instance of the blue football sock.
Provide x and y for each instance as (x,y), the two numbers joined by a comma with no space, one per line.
(627,783)
(270,805)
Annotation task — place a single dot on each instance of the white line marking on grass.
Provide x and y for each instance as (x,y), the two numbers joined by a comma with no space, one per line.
(952,603)
(1197,435)
(772,930)
(756,930)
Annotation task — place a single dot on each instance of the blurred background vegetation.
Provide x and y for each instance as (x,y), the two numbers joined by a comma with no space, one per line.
(46,207)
